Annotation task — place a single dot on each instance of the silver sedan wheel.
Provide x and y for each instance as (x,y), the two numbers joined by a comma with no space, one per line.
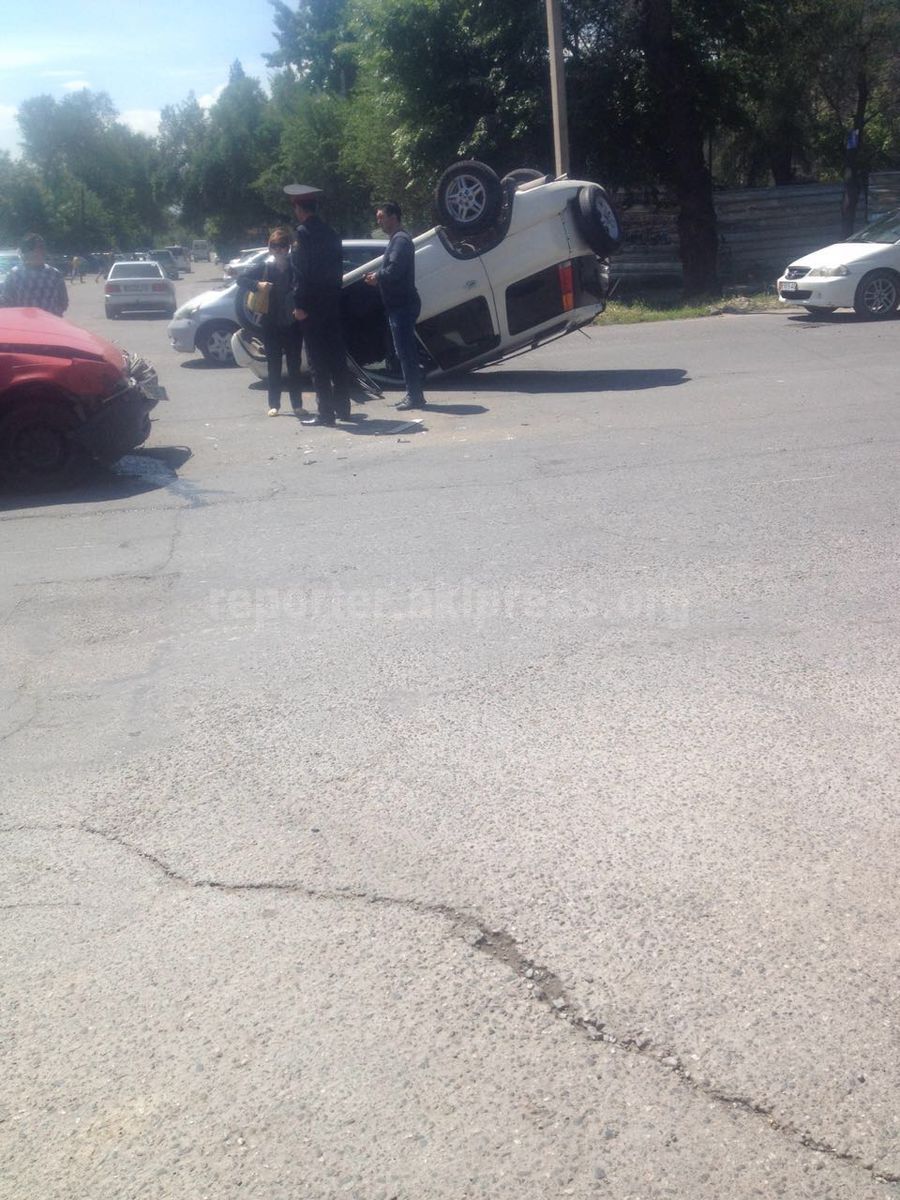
(216,345)
(877,295)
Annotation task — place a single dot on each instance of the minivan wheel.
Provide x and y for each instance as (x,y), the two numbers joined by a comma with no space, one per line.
(877,295)
(214,343)
(468,197)
(597,220)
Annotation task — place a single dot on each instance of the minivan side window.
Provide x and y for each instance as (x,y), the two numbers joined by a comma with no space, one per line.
(459,334)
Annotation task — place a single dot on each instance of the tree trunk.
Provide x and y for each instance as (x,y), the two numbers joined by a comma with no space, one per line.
(853,147)
(697,228)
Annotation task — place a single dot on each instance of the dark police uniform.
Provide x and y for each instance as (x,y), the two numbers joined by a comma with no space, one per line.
(318,264)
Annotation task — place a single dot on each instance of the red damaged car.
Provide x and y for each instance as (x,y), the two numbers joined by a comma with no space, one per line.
(67,398)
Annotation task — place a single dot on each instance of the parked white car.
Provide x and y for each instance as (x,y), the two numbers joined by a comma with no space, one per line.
(208,321)
(182,258)
(138,287)
(862,273)
(242,260)
(514,263)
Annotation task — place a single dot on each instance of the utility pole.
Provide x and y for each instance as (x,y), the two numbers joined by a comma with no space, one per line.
(558,87)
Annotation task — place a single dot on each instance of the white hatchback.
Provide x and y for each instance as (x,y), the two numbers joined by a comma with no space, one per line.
(208,321)
(862,273)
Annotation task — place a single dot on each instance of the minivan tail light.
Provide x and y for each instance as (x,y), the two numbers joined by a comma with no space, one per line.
(567,286)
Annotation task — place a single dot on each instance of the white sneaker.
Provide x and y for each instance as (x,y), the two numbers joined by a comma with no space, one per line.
(273,412)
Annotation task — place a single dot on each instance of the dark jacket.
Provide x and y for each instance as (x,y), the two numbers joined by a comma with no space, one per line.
(281,294)
(397,273)
(318,262)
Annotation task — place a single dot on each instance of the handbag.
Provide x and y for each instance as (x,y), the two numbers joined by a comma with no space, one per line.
(258,300)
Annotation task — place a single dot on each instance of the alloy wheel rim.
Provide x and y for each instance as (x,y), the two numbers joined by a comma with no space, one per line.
(219,345)
(466,198)
(880,296)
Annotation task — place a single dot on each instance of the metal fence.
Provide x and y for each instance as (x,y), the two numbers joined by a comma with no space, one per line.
(760,229)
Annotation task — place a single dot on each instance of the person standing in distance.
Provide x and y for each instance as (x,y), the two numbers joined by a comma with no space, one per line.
(318,264)
(396,279)
(35,284)
(281,335)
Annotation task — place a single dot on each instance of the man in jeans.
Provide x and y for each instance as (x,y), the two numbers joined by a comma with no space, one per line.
(396,279)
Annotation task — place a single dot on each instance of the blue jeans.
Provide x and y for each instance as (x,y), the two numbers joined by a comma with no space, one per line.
(403,330)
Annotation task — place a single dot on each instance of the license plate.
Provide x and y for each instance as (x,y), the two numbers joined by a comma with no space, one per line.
(789,285)
(135,287)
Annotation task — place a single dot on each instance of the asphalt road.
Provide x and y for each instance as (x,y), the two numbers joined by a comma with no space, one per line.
(503,807)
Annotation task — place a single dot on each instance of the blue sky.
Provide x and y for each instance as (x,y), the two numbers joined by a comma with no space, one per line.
(143,53)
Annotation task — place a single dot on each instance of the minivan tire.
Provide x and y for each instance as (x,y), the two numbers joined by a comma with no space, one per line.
(597,220)
(468,197)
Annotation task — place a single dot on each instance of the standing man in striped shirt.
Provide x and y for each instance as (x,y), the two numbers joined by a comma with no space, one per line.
(34,284)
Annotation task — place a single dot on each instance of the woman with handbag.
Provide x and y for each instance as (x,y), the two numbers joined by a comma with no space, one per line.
(270,294)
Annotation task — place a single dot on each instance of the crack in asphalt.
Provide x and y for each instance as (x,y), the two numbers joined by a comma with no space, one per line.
(189,503)
(545,986)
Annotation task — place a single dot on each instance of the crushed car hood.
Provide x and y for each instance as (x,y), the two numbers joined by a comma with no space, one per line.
(34,331)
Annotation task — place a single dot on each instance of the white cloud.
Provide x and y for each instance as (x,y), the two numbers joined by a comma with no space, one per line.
(16,58)
(75,85)
(9,129)
(210,98)
(142,120)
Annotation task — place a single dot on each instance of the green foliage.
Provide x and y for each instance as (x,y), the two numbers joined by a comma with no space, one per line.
(183,133)
(462,79)
(23,201)
(241,141)
(372,99)
(312,149)
(90,178)
(317,43)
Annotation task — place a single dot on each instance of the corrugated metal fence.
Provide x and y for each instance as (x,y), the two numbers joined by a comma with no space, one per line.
(760,229)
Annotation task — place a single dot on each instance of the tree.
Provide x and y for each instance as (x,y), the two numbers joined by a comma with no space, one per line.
(858,70)
(23,201)
(183,135)
(672,67)
(98,173)
(241,142)
(317,42)
(461,79)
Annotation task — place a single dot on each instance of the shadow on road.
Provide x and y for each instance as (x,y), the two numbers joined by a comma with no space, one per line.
(557,382)
(401,425)
(833,318)
(137,473)
(205,364)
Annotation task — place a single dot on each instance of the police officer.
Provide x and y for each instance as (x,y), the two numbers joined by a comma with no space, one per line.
(318,263)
